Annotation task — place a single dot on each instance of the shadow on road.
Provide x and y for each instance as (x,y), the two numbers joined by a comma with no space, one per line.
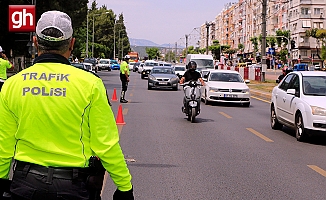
(313,139)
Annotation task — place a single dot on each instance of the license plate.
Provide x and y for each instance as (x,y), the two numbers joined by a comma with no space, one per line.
(231,95)
(162,83)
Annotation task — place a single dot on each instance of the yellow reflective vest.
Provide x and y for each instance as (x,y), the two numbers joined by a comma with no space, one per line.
(54,114)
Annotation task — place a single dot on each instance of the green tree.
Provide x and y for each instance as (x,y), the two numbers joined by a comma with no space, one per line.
(153,52)
(169,56)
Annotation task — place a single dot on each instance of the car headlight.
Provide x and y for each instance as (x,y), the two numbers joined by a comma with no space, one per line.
(245,91)
(174,79)
(211,89)
(318,110)
(152,78)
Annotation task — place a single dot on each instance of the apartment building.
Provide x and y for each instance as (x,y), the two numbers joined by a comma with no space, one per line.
(305,15)
(238,22)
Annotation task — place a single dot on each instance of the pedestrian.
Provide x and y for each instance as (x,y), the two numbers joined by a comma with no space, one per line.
(4,65)
(124,77)
(58,126)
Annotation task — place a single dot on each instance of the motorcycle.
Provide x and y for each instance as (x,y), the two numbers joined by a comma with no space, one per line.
(191,100)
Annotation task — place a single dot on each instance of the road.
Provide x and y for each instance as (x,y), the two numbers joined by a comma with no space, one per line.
(229,153)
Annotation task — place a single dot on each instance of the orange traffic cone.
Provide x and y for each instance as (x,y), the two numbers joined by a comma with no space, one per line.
(119,119)
(114,96)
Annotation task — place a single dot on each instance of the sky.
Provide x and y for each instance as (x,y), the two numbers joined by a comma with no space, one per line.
(165,21)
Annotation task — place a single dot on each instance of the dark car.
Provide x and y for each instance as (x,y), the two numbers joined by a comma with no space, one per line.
(162,77)
(93,61)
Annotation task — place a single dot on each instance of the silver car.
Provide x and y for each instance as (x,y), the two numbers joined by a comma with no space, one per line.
(162,77)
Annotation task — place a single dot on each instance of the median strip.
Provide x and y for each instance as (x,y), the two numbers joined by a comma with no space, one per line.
(225,115)
(259,135)
(318,170)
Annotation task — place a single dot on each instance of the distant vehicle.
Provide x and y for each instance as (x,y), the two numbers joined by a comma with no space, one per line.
(298,102)
(79,65)
(136,65)
(93,61)
(226,86)
(164,64)
(140,68)
(148,66)
(134,56)
(131,65)
(88,67)
(203,61)
(115,65)
(162,77)
(179,70)
(104,64)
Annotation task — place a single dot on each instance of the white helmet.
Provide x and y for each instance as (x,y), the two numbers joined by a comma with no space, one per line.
(127,57)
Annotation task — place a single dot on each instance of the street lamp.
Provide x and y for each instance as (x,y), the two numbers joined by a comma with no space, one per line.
(114,38)
(93,32)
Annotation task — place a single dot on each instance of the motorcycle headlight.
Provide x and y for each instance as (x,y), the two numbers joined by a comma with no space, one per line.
(211,89)
(318,111)
(152,78)
(245,91)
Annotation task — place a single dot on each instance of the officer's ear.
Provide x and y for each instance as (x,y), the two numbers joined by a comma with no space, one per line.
(71,45)
(35,42)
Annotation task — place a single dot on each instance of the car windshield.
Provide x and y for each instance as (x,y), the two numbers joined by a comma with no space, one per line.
(151,64)
(204,63)
(90,61)
(314,85)
(180,69)
(225,77)
(104,62)
(114,62)
(162,71)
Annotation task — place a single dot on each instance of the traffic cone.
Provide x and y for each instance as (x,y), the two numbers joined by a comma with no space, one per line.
(119,119)
(114,96)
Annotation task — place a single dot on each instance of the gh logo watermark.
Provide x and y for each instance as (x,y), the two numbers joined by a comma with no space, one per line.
(22,18)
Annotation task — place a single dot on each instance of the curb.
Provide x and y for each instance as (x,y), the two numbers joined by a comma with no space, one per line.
(262,95)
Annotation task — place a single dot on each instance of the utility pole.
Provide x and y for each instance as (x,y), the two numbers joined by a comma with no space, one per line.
(87,35)
(186,44)
(263,45)
(207,36)
(176,51)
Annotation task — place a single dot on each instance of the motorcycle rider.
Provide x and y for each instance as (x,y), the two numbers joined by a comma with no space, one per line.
(190,75)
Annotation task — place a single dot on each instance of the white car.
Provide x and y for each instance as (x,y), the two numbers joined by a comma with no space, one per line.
(131,65)
(104,64)
(299,103)
(140,67)
(179,70)
(225,86)
(88,66)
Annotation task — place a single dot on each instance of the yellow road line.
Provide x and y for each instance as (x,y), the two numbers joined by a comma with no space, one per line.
(259,135)
(225,115)
(318,170)
(261,99)
(125,111)
(120,128)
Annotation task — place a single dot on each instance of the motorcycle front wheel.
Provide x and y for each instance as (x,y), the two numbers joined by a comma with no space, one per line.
(193,115)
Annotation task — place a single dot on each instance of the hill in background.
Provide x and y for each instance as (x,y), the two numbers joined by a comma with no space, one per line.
(140,45)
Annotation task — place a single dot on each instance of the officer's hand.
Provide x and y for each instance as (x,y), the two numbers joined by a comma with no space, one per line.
(128,79)
(127,195)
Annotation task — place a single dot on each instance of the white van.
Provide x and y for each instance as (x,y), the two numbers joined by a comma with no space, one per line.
(203,61)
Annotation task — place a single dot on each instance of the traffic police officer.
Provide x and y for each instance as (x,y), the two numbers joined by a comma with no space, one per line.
(54,118)
(124,77)
(4,65)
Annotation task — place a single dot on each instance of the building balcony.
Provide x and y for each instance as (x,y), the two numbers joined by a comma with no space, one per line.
(307,16)
(305,2)
(304,45)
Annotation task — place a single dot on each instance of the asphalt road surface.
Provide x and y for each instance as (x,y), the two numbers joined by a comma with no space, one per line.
(231,152)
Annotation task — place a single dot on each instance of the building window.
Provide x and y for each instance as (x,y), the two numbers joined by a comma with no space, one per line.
(304,52)
(306,24)
(318,11)
(318,25)
(304,11)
